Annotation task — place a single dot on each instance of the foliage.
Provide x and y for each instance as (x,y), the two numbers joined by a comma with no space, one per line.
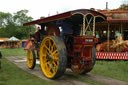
(21,17)
(12,25)
(5,19)
(124,6)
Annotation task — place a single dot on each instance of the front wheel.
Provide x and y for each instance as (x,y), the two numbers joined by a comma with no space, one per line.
(31,59)
(53,57)
(93,61)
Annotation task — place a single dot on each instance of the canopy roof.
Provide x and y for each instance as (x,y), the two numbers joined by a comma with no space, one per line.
(70,14)
(13,39)
(3,39)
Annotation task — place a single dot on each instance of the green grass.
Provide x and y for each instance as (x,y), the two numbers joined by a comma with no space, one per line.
(114,69)
(10,74)
(13,51)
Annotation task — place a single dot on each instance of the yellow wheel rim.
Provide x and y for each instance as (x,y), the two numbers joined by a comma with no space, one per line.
(29,58)
(49,57)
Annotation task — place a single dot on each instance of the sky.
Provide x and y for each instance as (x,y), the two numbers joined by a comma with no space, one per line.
(43,8)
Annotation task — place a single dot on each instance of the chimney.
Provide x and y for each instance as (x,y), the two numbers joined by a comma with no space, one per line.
(106,5)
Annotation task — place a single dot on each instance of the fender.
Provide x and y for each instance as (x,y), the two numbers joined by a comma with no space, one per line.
(28,45)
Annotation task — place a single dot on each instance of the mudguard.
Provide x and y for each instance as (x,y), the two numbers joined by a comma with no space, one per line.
(28,45)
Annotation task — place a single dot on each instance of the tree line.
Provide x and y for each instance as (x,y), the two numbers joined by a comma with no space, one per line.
(12,24)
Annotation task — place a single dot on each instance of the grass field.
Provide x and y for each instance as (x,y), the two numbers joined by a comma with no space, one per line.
(11,75)
(114,69)
(13,51)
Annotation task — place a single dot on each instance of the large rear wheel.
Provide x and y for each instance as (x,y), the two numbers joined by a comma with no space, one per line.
(53,57)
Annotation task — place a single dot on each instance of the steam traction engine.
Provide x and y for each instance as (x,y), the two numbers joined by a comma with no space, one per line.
(65,40)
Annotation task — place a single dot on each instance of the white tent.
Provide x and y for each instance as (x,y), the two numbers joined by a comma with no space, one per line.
(13,39)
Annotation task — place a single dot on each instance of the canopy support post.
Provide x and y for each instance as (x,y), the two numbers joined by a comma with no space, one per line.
(122,30)
(94,26)
(83,25)
(108,38)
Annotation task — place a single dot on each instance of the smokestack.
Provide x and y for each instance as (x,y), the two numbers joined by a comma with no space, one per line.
(106,5)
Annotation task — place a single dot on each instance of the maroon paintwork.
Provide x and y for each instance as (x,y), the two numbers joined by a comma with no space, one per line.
(65,15)
(81,55)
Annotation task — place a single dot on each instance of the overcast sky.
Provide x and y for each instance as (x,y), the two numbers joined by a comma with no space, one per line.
(38,8)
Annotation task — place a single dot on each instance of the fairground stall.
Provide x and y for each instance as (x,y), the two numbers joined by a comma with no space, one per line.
(113,36)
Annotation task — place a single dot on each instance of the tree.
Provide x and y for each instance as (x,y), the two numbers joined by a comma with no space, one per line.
(124,6)
(5,19)
(12,25)
(20,18)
